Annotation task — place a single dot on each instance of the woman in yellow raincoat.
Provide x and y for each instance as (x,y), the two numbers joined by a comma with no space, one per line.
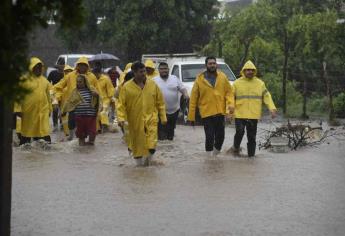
(36,106)
(250,93)
(139,99)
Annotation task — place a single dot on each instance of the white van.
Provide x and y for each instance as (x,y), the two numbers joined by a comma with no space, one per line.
(67,59)
(71,59)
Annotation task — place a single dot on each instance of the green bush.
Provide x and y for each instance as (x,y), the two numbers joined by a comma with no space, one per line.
(294,98)
(339,105)
(317,105)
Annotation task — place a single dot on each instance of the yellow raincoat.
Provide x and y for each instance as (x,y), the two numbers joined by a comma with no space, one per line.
(149,63)
(210,100)
(69,82)
(107,92)
(61,97)
(250,94)
(123,74)
(138,107)
(36,105)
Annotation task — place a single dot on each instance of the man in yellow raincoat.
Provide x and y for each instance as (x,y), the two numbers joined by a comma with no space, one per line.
(61,99)
(107,92)
(69,83)
(250,92)
(151,71)
(139,99)
(35,108)
(212,94)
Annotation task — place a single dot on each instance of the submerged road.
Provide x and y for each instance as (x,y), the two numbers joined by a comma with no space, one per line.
(98,191)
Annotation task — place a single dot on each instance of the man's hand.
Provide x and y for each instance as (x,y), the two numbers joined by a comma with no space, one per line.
(231,110)
(274,114)
(228,118)
(164,122)
(94,93)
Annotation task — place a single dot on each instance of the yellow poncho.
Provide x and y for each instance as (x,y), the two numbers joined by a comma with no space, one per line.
(36,105)
(138,107)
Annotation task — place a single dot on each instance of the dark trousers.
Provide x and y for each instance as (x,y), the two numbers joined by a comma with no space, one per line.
(55,116)
(168,131)
(251,126)
(71,121)
(214,127)
(24,140)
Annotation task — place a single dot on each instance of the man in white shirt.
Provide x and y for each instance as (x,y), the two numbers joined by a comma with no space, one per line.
(171,88)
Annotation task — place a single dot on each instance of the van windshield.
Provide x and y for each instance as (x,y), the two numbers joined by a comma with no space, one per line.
(189,72)
(71,61)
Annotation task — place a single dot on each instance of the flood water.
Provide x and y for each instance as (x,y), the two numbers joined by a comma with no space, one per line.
(73,190)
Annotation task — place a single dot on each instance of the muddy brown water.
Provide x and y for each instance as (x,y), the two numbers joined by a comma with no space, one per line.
(98,190)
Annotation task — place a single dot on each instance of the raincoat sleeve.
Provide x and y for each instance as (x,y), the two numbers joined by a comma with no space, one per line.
(121,110)
(94,82)
(110,88)
(117,91)
(160,105)
(49,97)
(193,101)
(267,98)
(230,97)
(17,107)
(58,88)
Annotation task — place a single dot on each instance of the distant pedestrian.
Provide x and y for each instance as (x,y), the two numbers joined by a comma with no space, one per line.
(54,77)
(151,70)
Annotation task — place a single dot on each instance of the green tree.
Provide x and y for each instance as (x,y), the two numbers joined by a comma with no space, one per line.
(322,40)
(157,26)
(17,19)
(76,37)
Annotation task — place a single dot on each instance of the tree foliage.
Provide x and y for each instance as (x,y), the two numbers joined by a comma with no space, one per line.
(152,26)
(17,20)
(292,39)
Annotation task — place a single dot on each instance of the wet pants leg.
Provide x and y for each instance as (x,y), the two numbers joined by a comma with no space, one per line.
(214,127)
(171,125)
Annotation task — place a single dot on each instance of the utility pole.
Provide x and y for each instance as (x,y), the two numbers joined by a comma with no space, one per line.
(6,112)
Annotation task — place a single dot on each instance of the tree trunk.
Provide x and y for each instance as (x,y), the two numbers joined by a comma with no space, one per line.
(245,55)
(305,93)
(285,67)
(329,92)
(5,166)
(220,48)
